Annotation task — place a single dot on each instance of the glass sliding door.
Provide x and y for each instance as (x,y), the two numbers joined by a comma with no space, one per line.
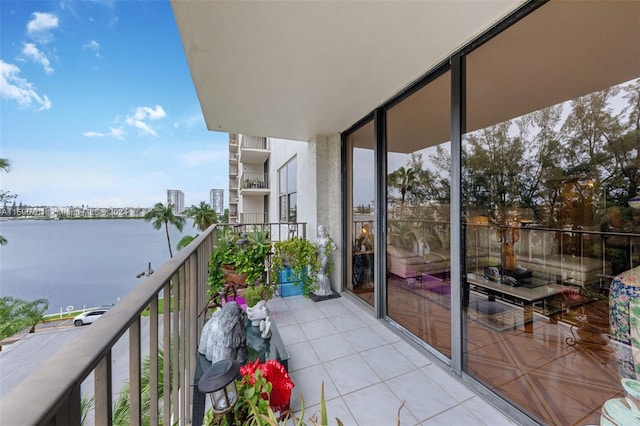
(361,215)
(550,171)
(418,283)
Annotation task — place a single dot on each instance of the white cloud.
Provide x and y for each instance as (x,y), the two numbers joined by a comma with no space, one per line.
(41,25)
(20,90)
(94,46)
(32,52)
(145,130)
(143,113)
(114,132)
(117,132)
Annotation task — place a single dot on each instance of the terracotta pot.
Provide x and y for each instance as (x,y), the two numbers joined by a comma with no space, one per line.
(231,276)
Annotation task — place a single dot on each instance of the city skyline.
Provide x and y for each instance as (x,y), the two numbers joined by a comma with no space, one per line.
(98,107)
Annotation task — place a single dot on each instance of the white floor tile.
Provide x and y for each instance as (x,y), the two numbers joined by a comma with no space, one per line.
(318,328)
(346,322)
(309,314)
(452,386)
(486,412)
(423,397)
(456,416)
(418,359)
(387,362)
(385,333)
(308,383)
(332,308)
(351,373)
(291,334)
(377,405)
(363,339)
(332,347)
(301,355)
(336,409)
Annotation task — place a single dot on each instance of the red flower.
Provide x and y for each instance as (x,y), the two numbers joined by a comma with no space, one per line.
(274,373)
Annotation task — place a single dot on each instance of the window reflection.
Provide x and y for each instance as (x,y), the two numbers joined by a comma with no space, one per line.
(418,281)
(362,193)
(552,243)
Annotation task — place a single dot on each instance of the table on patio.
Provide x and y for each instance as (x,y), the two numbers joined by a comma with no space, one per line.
(257,348)
(539,290)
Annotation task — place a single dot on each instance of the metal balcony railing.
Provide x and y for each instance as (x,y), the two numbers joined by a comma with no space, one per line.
(255,180)
(53,392)
(254,142)
(249,218)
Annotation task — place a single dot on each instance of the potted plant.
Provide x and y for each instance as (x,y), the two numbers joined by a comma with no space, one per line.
(237,260)
(255,293)
(299,254)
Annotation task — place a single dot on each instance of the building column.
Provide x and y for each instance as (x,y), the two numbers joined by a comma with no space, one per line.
(329,208)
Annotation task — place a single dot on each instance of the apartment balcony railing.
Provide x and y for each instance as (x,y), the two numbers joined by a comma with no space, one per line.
(254,142)
(277,231)
(53,392)
(250,218)
(255,181)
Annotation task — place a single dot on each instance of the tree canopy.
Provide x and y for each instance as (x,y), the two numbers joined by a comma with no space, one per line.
(163,215)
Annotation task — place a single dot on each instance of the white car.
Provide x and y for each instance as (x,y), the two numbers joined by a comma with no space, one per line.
(88,317)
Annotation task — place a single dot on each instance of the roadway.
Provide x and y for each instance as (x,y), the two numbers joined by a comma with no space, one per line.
(31,350)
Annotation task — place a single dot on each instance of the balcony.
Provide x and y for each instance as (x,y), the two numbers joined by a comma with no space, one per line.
(254,150)
(254,184)
(53,392)
(253,218)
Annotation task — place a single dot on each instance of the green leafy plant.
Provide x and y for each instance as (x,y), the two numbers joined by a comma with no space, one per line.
(247,260)
(301,255)
(255,293)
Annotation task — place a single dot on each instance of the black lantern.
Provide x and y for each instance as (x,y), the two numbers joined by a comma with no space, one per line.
(243,241)
(219,381)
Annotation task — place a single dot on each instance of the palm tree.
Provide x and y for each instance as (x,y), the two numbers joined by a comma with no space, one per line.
(203,215)
(18,314)
(5,164)
(160,215)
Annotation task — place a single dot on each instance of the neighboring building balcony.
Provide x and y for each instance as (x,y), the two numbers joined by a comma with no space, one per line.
(251,218)
(233,160)
(254,184)
(254,150)
(233,170)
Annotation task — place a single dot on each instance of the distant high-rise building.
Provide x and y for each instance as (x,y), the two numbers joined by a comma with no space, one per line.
(176,198)
(217,201)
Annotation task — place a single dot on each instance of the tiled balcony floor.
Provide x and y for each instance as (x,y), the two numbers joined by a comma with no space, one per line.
(368,371)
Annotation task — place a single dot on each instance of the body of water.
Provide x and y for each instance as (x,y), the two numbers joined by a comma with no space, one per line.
(80,262)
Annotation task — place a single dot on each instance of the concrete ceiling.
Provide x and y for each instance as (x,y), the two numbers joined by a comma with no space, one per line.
(295,69)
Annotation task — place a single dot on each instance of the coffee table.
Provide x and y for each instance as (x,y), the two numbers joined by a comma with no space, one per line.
(540,289)
(257,348)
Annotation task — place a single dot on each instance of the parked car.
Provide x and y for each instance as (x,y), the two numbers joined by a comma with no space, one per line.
(88,317)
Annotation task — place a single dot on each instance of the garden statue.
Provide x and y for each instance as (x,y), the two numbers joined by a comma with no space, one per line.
(325,248)
(265,328)
(258,313)
(224,336)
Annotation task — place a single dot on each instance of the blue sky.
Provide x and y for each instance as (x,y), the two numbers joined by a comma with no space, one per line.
(98,108)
